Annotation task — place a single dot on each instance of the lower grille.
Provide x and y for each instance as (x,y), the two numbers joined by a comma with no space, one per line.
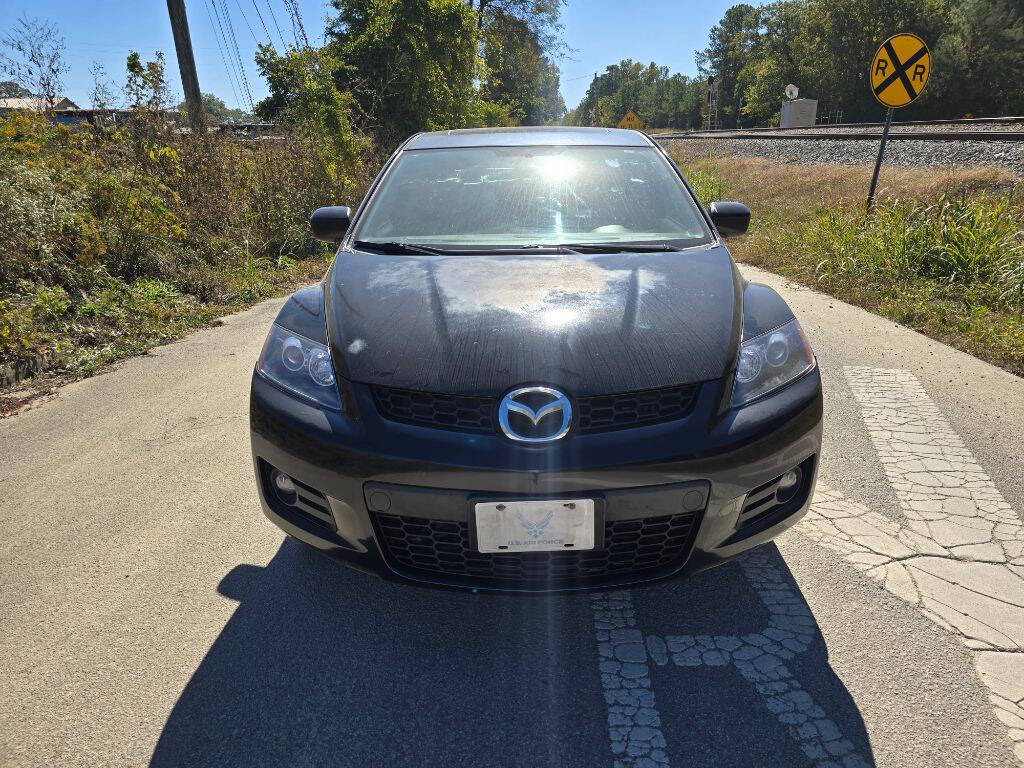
(770,501)
(630,546)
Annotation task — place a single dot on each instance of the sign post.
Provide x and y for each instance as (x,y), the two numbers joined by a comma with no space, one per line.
(898,74)
(878,160)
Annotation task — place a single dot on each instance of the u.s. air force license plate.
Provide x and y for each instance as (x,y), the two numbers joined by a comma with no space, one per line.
(547,525)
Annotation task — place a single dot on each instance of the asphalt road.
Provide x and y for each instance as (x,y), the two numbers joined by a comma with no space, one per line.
(150,615)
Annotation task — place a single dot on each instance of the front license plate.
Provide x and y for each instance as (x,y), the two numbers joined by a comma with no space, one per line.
(549,525)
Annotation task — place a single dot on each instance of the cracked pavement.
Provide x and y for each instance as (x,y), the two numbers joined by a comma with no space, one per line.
(149,614)
(960,557)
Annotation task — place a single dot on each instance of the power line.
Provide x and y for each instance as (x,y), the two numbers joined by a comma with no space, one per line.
(260,16)
(225,61)
(273,16)
(246,20)
(238,54)
(301,40)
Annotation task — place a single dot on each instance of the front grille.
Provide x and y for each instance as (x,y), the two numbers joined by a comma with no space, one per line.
(471,414)
(632,409)
(630,546)
(598,413)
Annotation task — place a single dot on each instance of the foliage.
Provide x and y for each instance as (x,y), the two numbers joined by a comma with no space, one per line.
(11,90)
(115,240)
(409,64)
(942,256)
(660,99)
(305,97)
(541,17)
(519,76)
(217,112)
(146,84)
(824,46)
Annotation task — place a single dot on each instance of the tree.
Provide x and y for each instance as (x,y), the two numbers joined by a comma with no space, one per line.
(101,96)
(11,90)
(824,46)
(730,43)
(410,64)
(146,84)
(518,75)
(984,46)
(218,112)
(662,100)
(542,17)
(305,97)
(34,58)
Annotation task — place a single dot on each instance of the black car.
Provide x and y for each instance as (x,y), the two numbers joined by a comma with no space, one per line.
(532,366)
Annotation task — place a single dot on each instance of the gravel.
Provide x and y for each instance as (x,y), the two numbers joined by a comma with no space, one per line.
(907,153)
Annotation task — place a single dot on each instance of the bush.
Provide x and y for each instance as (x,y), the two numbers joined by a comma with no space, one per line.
(973,244)
(110,233)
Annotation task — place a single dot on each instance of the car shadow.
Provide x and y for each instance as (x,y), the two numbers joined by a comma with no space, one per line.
(321,665)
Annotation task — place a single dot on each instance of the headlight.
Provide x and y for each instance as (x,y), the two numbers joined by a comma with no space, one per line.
(771,361)
(301,366)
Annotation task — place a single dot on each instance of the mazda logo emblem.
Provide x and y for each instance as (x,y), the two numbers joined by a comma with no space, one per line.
(535,415)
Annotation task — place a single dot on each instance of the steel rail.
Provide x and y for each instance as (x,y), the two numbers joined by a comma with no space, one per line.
(1009,136)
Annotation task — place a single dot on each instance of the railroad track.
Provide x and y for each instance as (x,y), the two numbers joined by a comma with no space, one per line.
(972,129)
(819,135)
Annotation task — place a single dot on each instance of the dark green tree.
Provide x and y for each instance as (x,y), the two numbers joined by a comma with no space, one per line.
(218,112)
(518,75)
(730,46)
(11,90)
(411,65)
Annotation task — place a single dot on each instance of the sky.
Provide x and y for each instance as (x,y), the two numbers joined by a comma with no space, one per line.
(601,32)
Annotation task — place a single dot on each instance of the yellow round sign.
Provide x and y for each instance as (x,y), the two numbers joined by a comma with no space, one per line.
(900,70)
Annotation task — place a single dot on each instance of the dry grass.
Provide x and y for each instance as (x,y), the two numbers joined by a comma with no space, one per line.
(944,253)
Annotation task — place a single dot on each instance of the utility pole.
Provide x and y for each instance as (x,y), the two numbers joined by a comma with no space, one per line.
(186,63)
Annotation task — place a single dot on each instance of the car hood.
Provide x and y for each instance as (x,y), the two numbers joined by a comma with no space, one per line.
(591,324)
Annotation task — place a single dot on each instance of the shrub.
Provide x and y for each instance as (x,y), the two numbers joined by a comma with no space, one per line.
(109,233)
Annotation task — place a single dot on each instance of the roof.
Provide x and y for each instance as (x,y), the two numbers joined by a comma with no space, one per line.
(533,136)
(36,103)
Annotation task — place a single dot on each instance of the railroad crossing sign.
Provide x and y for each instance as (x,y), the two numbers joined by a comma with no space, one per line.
(898,74)
(631,121)
(900,69)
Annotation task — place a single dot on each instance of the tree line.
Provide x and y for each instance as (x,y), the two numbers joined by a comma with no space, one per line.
(825,47)
(390,68)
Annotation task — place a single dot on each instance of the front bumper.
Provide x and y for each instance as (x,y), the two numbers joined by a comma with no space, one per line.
(396,499)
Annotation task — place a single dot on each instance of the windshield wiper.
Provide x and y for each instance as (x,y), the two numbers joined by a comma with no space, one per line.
(615,247)
(394,246)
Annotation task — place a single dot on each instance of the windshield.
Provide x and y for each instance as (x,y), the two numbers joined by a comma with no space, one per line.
(515,196)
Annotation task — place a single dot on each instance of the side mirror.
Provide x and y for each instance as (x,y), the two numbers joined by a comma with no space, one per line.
(330,222)
(730,218)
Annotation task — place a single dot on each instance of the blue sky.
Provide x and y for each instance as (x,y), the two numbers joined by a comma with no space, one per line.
(601,32)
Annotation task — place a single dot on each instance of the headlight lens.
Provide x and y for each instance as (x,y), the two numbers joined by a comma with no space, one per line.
(771,361)
(301,366)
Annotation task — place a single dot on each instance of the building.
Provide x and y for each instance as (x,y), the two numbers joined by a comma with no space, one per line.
(34,104)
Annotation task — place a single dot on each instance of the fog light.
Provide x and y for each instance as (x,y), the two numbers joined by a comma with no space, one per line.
(284,487)
(789,484)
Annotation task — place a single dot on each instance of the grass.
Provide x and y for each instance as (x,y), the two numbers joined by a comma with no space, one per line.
(116,241)
(943,252)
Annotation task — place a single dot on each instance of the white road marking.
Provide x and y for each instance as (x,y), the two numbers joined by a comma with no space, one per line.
(960,558)
(634,724)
